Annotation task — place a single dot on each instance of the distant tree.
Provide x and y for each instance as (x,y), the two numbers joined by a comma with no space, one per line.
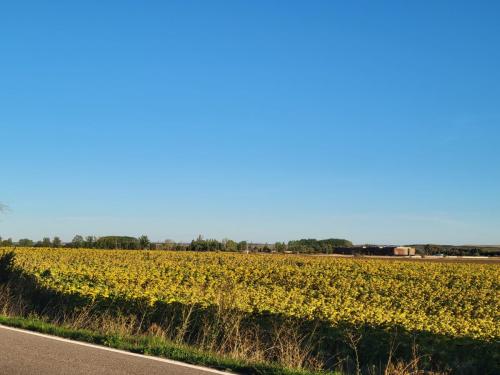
(214,245)
(46,242)
(231,245)
(312,245)
(181,246)
(201,244)
(198,245)
(430,249)
(77,241)
(90,242)
(8,242)
(117,242)
(280,247)
(242,245)
(169,244)
(144,242)
(56,242)
(25,242)
(266,248)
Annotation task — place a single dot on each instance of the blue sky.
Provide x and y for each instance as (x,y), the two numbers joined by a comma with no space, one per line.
(255,120)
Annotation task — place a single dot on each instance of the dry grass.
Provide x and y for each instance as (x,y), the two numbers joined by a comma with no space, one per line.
(222,332)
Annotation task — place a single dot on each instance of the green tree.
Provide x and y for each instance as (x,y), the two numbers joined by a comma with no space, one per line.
(77,241)
(56,242)
(90,242)
(280,247)
(312,245)
(144,242)
(231,245)
(25,242)
(201,244)
(117,242)
(242,246)
(46,242)
(7,242)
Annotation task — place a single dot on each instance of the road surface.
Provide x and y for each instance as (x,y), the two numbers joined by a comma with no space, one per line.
(28,353)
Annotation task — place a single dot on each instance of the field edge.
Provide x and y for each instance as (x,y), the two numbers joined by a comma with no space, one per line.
(148,345)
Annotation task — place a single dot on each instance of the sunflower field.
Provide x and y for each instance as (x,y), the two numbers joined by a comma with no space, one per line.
(451,310)
(459,299)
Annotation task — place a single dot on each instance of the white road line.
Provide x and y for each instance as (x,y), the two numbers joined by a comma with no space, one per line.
(169,361)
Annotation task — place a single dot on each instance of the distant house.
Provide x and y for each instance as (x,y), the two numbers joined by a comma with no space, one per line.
(404,250)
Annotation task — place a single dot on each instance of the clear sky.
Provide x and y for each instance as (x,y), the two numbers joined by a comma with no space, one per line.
(254,120)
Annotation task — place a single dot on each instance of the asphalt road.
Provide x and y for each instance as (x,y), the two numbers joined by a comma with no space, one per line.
(27,353)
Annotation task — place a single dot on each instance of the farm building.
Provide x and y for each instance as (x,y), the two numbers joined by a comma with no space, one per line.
(404,250)
(376,250)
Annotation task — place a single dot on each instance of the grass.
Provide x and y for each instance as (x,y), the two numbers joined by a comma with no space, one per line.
(151,345)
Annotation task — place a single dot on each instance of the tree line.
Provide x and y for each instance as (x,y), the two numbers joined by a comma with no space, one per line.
(303,246)
(312,245)
(89,242)
(448,250)
(308,246)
